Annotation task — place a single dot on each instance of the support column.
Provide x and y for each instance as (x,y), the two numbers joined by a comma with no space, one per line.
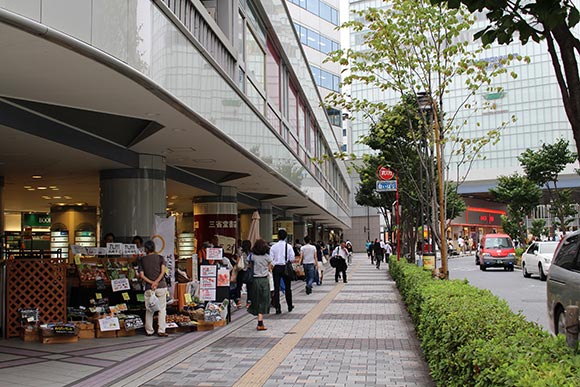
(217,216)
(266,223)
(2,216)
(299,231)
(131,197)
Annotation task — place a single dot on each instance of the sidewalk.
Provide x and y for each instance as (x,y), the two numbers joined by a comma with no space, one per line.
(341,335)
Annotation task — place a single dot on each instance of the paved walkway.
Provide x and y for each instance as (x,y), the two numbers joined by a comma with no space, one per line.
(340,335)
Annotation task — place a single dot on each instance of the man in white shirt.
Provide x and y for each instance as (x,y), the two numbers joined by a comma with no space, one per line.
(388,251)
(281,252)
(309,262)
(342,254)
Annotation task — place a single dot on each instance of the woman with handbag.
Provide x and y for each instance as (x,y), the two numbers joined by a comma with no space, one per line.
(240,268)
(260,265)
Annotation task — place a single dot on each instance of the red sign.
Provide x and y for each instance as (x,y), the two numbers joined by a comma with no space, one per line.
(384,173)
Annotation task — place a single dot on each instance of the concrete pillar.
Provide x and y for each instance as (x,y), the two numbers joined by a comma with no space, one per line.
(299,231)
(131,197)
(217,215)
(266,222)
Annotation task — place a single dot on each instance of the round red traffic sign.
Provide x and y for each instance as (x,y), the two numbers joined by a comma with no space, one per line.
(384,173)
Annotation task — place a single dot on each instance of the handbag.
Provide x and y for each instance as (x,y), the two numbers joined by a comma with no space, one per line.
(240,263)
(153,304)
(249,273)
(324,260)
(288,268)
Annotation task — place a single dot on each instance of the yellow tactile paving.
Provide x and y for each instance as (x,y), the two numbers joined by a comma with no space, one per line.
(265,367)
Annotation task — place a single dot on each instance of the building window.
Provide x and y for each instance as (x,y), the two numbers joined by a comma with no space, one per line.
(335,116)
(319,8)
(273,76)
(254,60)
(326,79)
(314,40)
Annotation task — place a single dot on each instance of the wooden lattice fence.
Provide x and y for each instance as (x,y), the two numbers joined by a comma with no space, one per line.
(35,283)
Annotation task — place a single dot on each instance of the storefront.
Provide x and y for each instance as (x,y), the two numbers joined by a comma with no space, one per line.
(476,222)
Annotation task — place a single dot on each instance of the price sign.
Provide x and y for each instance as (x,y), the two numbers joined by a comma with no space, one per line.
(98,296)
(386,186)
(126,296)
(114,248)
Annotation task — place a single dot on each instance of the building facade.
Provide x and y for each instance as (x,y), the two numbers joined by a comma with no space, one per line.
(139,108)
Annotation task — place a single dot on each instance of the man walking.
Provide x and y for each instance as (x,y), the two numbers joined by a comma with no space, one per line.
(281,253)
(378,249)
(341,253)
(309,261)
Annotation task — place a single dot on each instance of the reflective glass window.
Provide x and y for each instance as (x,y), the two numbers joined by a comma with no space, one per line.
(325,45)
(254,59)
(313,40)
(325,11)
(292,107)
(313,6)
(273,76)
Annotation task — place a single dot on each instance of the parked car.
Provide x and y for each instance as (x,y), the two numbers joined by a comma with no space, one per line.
(564,281)
(538,258)
(496,250)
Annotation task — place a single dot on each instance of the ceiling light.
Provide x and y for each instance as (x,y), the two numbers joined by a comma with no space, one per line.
(37,176)
(80,204)
(57,197)
(27,186)
(68,197)
(55,189)
(41,187)
(31,189)
(61,204)
(170,203)
(47,197)
(174,197)
(52,186)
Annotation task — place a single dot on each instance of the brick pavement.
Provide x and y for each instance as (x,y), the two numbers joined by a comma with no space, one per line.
(363,336)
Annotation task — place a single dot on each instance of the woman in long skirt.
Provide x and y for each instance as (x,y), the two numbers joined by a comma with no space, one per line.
(261,264)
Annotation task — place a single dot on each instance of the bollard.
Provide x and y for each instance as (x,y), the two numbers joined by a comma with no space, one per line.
(572,326)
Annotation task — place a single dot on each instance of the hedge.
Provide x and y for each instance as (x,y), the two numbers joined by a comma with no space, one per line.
(471,337)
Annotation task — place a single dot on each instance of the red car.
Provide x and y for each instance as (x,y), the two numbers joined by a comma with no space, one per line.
(496,250)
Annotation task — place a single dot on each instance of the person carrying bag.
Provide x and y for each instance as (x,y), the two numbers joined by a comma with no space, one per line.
(282,255)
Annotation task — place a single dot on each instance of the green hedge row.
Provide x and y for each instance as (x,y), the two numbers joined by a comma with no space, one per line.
(471,337)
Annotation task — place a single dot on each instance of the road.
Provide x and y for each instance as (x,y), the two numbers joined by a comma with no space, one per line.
(527,295)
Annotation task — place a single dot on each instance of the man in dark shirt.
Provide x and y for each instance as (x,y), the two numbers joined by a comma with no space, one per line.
(152,272)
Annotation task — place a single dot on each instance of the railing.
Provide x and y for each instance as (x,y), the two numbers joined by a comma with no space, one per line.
(196,23)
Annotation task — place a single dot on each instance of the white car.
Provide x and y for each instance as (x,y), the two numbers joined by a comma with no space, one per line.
(538,258)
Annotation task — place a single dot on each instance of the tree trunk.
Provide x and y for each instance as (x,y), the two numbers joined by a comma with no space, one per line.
(569,79)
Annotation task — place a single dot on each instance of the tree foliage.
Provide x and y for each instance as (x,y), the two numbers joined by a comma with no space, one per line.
(549,20)
(413,52)
(543,167)
(521,196)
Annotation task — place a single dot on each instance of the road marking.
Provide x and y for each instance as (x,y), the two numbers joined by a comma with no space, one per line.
(259,374)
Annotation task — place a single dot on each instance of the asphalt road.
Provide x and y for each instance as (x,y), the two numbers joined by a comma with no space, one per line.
(527,295)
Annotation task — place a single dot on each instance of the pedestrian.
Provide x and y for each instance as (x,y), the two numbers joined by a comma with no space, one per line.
(244,253)
(368,246)
(320,259)
(152,272)
(461,244)
(378,249)
(350,252)
(388,251)
(309,261)
(341,253)
(282,252)
(262,264)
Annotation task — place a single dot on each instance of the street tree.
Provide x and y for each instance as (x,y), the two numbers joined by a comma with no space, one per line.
(411,48)
(543,167)
(521,196)
(538,228)
(549,20)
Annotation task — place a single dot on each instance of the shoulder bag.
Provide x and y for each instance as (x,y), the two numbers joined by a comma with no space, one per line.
(289,269)
(249,273)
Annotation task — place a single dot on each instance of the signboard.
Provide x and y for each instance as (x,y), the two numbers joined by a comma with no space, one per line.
(120,284)
(114,248)
(484,217)
(384,173)
(214,254)
(386,186)
(208,282)
(36,220)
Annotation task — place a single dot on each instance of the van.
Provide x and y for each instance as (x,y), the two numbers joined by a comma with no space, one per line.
(563,288)
(496,250)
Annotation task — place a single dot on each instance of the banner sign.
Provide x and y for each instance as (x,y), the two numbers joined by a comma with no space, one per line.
(164,239)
